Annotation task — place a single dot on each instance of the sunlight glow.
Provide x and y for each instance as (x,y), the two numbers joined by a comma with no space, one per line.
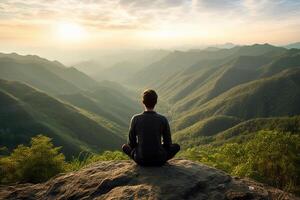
(71,32)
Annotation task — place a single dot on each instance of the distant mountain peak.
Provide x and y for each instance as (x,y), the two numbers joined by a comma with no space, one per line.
(295,45)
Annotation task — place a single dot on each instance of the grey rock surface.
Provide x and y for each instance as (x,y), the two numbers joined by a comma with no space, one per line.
(179,179)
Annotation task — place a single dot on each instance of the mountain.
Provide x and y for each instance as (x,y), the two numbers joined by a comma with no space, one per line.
(267,97)
(167,66)
(220,130)
(293,46)
(172,64)
(207,92)
(206,89)
(215,47)
(199,83)
(209,74)
(180,179)
(108,102)
(227,45)
(119,72)
(26,111)
(212,49)
(246,128)
(49,76)
(204,128)
(120,65)
(89,67)
(70,85)
(215,81)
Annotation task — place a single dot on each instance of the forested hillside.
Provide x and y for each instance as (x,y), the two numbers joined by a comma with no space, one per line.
(79,113)
(210,91)
(26,112)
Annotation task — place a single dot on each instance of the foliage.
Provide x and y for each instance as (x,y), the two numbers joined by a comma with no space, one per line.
(41,161)
(27,112)
(274,96)
(281,124)
(203,131)
(36,163)
(270,157)
(87,158)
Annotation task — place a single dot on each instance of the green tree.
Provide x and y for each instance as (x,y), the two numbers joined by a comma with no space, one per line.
(36,163)
(270,157)
(273,158)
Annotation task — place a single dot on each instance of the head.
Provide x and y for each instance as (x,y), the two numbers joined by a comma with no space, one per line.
(149,99)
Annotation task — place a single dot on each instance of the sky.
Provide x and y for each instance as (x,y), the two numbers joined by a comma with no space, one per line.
(58,28)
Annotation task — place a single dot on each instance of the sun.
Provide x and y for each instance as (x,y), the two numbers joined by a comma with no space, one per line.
(69,31)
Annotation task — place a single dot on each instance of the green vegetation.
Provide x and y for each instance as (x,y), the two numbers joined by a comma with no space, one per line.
(245,129)
(41,160)
(228,130)
(110,101)
(197,83)
(293,45)
(87,158)
(26,112)
(49,76)
(204,130)
(34,164)
(270,157)
(270,97)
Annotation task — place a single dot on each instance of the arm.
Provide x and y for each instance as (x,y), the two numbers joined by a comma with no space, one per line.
(167,141)
(132,135)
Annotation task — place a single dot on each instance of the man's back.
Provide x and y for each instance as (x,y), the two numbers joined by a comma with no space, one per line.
(145,135)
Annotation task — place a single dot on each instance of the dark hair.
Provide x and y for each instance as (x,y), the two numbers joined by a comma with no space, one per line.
(149,98)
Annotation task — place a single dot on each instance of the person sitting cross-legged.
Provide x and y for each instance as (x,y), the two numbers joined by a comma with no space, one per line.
(146,133)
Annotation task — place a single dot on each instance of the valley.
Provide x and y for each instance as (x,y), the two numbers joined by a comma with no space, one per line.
(204,93)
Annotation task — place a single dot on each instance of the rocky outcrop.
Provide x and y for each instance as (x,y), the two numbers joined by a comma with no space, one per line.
(179,179)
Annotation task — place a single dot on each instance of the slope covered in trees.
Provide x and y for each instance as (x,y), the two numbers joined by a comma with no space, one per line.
(49,76)
(202,82)
(226,129)
(269,97)
(26,111)
(207,89)
(107,101)
(156,73)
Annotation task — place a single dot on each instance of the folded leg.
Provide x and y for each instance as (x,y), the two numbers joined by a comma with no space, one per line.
(172,150)
(127,150)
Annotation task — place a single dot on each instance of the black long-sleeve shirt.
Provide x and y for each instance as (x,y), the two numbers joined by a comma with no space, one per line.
(145,133)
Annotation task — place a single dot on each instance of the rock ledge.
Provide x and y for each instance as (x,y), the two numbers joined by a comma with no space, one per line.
(180,179)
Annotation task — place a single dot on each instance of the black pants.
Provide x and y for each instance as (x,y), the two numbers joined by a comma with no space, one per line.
(170,153)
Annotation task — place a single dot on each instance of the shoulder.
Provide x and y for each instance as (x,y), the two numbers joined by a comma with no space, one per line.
(136,116)
(162,117)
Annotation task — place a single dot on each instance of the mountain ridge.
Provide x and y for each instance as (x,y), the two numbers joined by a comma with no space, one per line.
(217,106)
(50,116)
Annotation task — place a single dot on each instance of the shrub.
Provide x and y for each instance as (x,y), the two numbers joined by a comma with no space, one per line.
(273,158)
(34,164)
(270,157)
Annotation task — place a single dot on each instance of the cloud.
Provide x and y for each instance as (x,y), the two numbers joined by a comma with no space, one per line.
(144,13)
(206,19)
